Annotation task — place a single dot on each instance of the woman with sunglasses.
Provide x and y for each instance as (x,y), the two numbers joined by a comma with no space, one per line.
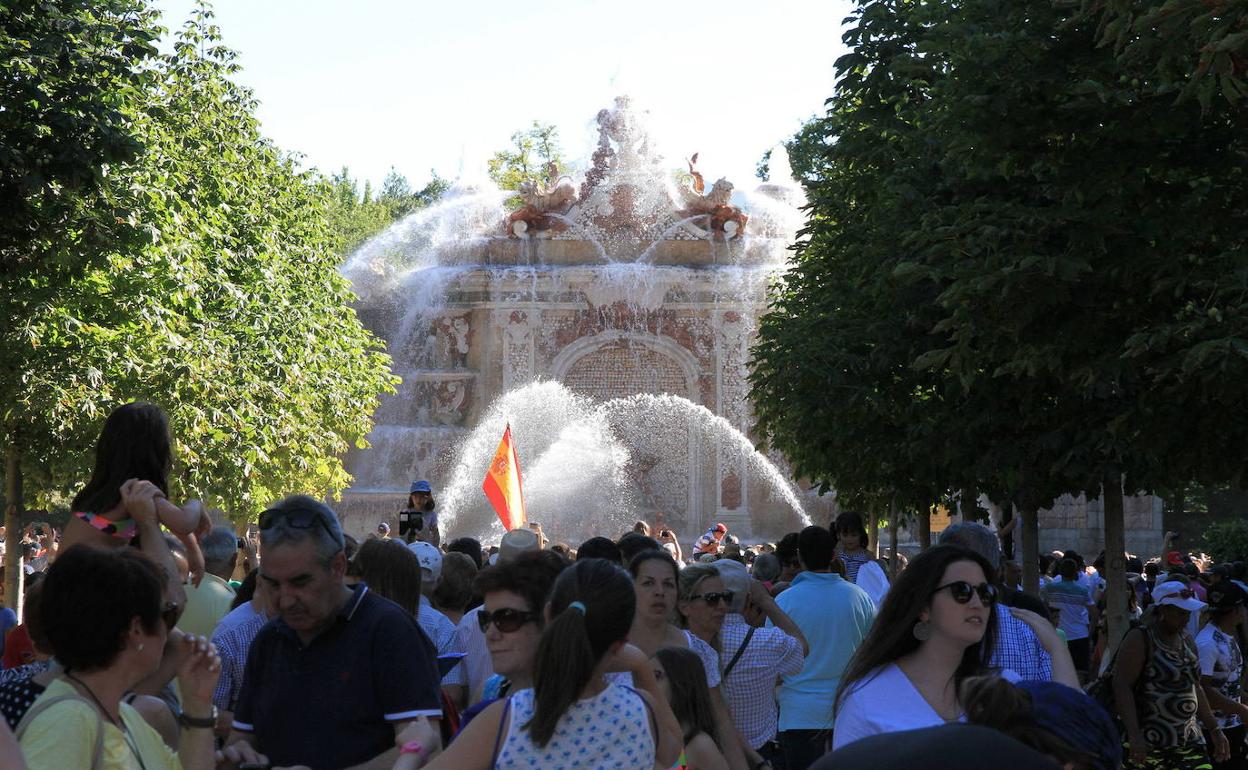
(935,628)
(704,601)
(102,615)
(513,593)
(1157,689)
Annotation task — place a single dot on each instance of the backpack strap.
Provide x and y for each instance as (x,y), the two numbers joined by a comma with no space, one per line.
(502,725)
(43,705)
(732,663)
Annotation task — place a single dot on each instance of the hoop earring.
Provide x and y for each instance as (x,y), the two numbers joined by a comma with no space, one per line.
(922,631)
(140,647)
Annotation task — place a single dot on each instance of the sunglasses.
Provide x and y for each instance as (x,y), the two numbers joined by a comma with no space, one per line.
(299,518)
(962,592)
(506,619)
(170,613)
(714,597)
(1186,593)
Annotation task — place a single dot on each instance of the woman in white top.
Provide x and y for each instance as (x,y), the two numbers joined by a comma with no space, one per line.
(935,629)
(572,718)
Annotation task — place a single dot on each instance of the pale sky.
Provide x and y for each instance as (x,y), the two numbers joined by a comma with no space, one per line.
(418,85)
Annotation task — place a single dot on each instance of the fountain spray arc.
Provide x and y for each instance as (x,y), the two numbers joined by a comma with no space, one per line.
(608,319)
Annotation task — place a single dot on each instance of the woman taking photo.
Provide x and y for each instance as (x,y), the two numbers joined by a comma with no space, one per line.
(102,614)
(683,682)
(936,628)
(559,724)
(1157,689)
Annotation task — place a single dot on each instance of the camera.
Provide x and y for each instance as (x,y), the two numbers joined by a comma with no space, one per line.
(411,521)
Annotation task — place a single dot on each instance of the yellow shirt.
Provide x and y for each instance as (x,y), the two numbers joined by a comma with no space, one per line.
(206,604)
(64,737)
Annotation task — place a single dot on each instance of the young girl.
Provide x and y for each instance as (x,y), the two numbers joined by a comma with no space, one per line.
(682,680)
(134,444)
(571,718)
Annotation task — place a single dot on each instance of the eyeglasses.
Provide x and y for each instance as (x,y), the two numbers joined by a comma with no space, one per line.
(170,614)
(714,597)
(506,619)
(962,592)
(299,518)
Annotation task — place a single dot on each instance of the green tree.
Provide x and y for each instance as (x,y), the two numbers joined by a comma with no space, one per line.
(1067,242)
(399,198)
(232,316)
(353,217)
(531,153)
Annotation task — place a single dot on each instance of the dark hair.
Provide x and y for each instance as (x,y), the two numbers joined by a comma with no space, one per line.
(786,550)
(454,589)
(91,596)
(390,570)
(1068,569)
(428,507)
(573,643)
(634,543)
(600,548)
(634,566)
(33,616)
(469,546)
(851,521)
(246,590)
(530,575)
(1152,569)
(993,702)
(134,444)
(691,698)
(816,546)
(892,634)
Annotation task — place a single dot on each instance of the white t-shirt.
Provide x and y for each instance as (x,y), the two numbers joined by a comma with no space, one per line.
(886,702)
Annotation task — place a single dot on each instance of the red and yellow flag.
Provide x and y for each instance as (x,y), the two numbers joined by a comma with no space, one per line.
(502,485)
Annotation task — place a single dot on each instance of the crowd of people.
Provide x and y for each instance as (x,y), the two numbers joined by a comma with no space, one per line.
(152,639)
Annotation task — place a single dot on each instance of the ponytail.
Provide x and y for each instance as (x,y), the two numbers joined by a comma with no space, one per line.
(591,607)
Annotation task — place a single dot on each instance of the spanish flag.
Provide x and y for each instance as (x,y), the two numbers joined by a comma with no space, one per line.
(502,485)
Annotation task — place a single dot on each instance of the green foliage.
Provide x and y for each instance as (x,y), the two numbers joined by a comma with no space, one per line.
(354,217)
(1228,540)
(807,154)
(1025,269)
(528,159)
(399,199)
(232,315)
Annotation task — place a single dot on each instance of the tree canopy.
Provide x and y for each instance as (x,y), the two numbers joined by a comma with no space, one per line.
(527,160)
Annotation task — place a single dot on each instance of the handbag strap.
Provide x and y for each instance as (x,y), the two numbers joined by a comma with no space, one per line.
(43,705)
(502,725)
(737,656)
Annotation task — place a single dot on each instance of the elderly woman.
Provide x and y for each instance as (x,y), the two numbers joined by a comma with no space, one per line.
(104,616)
(704,601)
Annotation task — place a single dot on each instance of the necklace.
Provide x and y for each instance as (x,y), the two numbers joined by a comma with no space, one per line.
(120,724)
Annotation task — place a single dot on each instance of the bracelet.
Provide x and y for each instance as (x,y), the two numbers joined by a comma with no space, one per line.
(412,747)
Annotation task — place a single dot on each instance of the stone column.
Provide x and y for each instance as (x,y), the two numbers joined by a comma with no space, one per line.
(732,473)
(518,346)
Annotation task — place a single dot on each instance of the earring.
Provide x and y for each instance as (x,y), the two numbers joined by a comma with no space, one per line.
(922,631)
(140,647)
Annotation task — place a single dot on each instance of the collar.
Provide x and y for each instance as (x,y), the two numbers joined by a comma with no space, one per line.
(424,602)
(344,615)
(216,579)
(735,619)
(353,604)
(822,577)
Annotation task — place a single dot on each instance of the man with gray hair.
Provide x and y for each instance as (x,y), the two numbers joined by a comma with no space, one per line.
(1017,647)
(752,660)
(210,601)
(338,674)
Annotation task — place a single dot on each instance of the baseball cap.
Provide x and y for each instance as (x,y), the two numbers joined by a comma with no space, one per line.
(420,486)
(383,527)
(430,559)
(720,527)
(1177,594)
(1174,558)
(516,542)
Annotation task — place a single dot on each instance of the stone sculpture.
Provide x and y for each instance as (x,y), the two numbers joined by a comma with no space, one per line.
(540,201)
(724,217)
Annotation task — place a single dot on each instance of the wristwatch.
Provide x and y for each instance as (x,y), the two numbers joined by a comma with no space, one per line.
(187,720)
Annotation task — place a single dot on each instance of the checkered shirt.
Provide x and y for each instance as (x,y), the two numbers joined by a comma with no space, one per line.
(232,641)
(750,688)
(441,631)
(1018,649)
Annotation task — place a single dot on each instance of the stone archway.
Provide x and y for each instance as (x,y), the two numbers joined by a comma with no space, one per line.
(618,365)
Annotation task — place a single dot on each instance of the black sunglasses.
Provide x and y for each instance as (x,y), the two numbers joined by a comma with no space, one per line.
(299,518)
(506,619)
(714,597)
(962,592)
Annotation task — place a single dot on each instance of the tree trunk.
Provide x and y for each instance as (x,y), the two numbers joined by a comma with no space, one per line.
(13,526)
(1115,564)
(925,527)
(873,532)
(1009,541)
(968,504)
(1029,533)
(894,523)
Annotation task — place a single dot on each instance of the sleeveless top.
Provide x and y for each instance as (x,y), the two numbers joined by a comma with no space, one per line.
(1167,694)
(610,731)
